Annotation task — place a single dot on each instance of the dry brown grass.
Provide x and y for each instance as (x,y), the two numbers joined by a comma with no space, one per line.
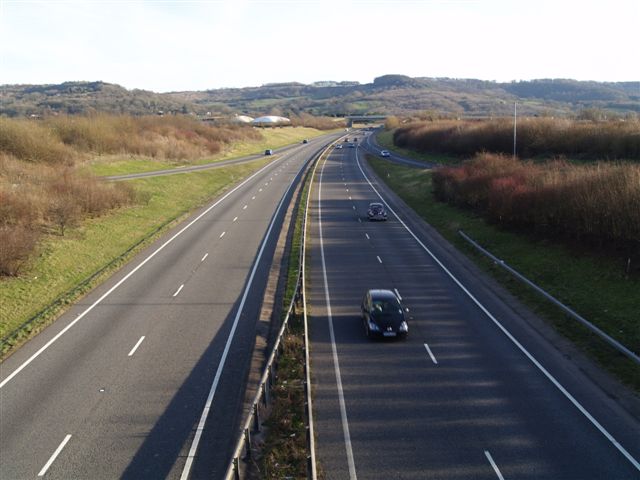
(535,137)
(593,204)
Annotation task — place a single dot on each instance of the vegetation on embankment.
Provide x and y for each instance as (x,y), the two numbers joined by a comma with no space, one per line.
(536,137)
(63,262)
(594,285)
(593,206)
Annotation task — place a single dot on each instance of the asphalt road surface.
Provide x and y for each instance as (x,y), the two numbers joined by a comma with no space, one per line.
(474,393)
(145,377)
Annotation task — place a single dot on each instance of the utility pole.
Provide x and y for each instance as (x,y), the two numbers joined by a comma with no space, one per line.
(515,122)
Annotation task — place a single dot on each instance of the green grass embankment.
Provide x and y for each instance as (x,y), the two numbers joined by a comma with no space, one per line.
(595,287)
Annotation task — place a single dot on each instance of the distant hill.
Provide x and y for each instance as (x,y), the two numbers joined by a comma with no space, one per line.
(388,94)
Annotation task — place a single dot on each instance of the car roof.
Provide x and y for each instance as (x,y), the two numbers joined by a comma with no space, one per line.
(375,204)
(381,293)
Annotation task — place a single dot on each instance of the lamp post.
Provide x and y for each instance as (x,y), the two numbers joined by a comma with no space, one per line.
(515,123)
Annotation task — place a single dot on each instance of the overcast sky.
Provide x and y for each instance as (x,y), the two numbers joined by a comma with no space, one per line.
(195,45)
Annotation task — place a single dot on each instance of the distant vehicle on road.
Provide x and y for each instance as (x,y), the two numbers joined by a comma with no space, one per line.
(352,145)
(385,153)
(376,211)
(305,141)
(268,152)
(339,146)
(383,315)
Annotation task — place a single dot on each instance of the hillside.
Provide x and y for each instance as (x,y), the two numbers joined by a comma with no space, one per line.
(389,94)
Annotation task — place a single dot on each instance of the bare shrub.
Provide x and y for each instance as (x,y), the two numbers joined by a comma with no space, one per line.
(17,243)
(596,204)
(32,141)
(535,136)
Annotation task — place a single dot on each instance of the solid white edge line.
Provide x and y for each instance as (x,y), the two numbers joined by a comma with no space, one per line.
(222,234)
(214,385)
(367,235)
(336,364)
(493,464)
(379,259)
(433,358)
(538,365)
(205,256)
(397,292)
(133,350)
(54,456)
(126,277)
(178,291)
(235,218)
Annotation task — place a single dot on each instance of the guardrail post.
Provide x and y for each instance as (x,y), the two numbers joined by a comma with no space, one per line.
(265,395)
(256,418)
(236,468)
(247,443)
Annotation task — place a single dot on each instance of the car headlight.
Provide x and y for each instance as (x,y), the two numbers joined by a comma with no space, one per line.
(403,327)
(373,327)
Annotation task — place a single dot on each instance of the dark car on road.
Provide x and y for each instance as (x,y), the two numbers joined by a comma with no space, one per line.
(268,152)
(376,211)
(305,141)
(383,315)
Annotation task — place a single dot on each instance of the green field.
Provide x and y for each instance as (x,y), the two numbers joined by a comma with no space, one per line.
(595,287)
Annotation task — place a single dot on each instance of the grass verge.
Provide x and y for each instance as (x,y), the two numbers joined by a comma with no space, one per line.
(272,138)
(63,263)
(595,287)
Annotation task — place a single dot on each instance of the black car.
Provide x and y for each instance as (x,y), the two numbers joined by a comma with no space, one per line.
(305,141)
(376,211)
(268,152)
(383,315)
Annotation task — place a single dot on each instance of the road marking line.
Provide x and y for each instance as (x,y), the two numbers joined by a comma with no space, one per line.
(178,291)
(253,198)
(214,385)
(266,184)
(538,365)
(349,197)
(367,235)
(236,218)
(431,354)
(222,234)
(493,464)
(397,294)
(259,189)
(133,350)
(127,276)
(379,259)
(347,189)
(354,207)
(54,456)
(359,219)
(336,364)
(205,256)
(244,208)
